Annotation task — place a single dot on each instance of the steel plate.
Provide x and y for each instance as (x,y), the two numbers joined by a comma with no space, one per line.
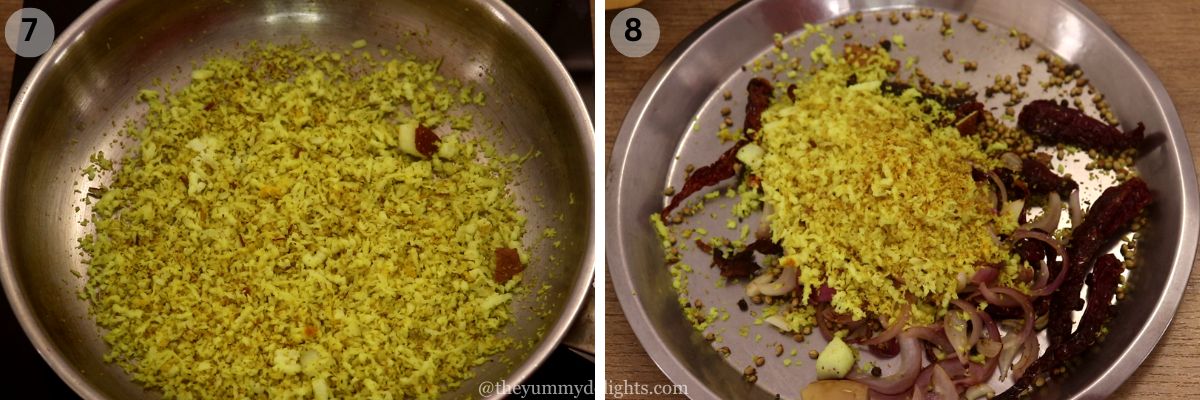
(672,125)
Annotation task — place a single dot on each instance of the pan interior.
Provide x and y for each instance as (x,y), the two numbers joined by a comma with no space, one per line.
(76,103)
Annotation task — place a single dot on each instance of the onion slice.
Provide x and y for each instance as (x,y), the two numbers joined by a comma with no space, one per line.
(778,322)
(920,389)
(976,322)
(943,387)
(892,330)
(1010,347)
(1029,354)
(1043,274)
(873,395)
(932,334)
(784,284)
(1074,208)
(985,275)
(1001,191)
(1064,263)
(764,223)
(1015,208)
(1019,299)
(980,391)
(1013,342)
(989,344)
(1012,161)
(955,327)
(754,288)
(1051,214)
(911,357)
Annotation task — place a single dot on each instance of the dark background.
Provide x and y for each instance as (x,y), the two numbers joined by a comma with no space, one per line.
(564,24)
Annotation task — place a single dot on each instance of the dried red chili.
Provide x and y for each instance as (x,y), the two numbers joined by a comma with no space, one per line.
(741,264)
(1042,180)
(759,98)
(1062,124)
(1110,214)
(1105,277)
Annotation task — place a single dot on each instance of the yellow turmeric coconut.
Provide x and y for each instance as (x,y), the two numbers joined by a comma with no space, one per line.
(871,194)
(273,236)
(866,187)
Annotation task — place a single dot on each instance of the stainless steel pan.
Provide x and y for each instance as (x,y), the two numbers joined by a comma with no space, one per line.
(88,79)
(657,140)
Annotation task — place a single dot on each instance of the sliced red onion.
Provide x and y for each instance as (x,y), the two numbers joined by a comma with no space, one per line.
(974,373)
(778,322)
(989,343)
(1029,354)
(784,284)
(932,334)
(976,321)
(992,298)
(943,387)
(911,357)
(1026,305)
(754,288)
(1059,249)
(825,293)
(892,330)
(1058,280)
(920,389)
(1001,191)
(990,347)
(980,391)
(886,350)
(1013,341)
(873,395)
(1043,274)
(1074,208)
(1011,346)
(764,223)
(1012,161)
(1015,208)
(986,274)
(822,322)
(965,375)
(955,328)
(1051,214)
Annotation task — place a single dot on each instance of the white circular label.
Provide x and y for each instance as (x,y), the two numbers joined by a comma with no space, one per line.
(634,32)
(29,32)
